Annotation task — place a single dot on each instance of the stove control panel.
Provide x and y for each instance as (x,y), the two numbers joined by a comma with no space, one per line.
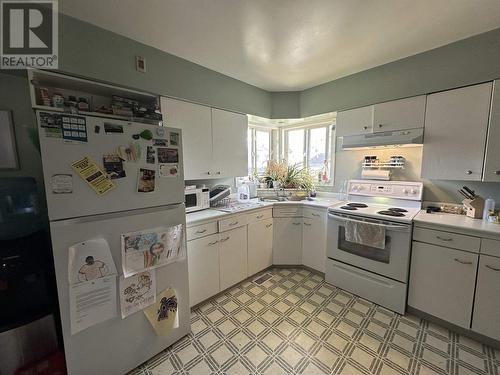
(391,189)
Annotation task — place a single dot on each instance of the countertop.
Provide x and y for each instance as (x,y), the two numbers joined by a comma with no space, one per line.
(211,214)
(459,222)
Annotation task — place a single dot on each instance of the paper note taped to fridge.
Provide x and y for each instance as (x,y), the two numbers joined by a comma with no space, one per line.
(93,175)
(92,279)
(164,314)
(90,260)
(92,302)
(153,248)
(137,292)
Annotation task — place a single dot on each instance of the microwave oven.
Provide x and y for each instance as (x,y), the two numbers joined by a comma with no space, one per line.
(197,199)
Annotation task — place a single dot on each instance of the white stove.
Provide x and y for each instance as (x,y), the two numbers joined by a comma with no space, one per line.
(398,201)
(369,240)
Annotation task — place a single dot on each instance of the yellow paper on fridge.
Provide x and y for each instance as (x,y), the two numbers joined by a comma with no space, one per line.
(163,314)
(93,175)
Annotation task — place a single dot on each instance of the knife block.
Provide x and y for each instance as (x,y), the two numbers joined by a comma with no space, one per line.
(474,207)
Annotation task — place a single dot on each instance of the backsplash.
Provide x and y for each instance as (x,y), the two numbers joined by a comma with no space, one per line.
(348,166)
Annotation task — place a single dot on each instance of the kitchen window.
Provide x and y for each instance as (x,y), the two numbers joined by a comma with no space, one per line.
(259,149)
(312,147)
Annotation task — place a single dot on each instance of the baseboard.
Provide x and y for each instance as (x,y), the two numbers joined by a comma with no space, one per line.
(466,332)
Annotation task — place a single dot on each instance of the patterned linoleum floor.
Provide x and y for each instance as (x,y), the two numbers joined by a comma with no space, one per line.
(296,324)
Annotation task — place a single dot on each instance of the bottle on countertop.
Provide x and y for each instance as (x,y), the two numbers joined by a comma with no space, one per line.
(489,207)
(243,193)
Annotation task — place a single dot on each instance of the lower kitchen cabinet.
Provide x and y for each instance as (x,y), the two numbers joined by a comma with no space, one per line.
(203,265)
(314,241)
(486,317)
(260,245)
(442,282)
(288,249)
(233,256)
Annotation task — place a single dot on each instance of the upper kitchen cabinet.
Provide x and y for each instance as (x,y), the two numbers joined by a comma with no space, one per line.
(230,147)
(456,123)
(355,121)
(214,141)
(491,171)
(399,114)
(196,124)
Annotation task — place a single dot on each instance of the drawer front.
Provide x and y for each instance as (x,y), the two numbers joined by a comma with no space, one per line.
(259,215)
(201,230)
(311,213)
(287,211)
(447,239)
(233,222)
(490,247)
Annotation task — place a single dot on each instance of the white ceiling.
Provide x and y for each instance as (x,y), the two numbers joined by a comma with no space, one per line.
(282,45)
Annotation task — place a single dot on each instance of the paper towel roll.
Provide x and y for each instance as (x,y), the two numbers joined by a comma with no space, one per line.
(376,174)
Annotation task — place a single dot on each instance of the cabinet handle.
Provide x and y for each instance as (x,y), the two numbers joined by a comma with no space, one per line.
(225,239)
(462,261)
(260,216)
(468,172)
(218,172)
(201,231)
(208,172)
(380,125)
(365,127)
(444,239)
(492,268)
(296,223)
(233,223)
(496,172)
(307,224)
(269,225)
(212,243)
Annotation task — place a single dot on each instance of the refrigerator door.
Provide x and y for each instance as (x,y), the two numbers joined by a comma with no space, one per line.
(69,196)
(118,345)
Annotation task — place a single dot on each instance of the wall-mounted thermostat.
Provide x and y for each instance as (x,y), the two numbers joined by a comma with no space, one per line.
(140,64)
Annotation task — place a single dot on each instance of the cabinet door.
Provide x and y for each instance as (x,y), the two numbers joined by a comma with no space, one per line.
(196,124)
(230,147)
(355,121)
(287,243)
(260,245)
(486,318)
(442,282)
(399,114)
(203,266)
(233,257)
(491,171)
(455,133)
(314,242)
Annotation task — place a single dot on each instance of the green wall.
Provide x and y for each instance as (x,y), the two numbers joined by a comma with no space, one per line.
(285,104)
(89,51)
(14,96)
(468,61)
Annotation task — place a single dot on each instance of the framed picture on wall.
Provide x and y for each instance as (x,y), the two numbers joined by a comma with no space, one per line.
(8,153)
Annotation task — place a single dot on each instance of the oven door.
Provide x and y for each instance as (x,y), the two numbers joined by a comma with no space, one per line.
(192,200)
(391,261)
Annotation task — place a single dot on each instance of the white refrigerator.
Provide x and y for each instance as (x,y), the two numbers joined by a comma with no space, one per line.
(84,207)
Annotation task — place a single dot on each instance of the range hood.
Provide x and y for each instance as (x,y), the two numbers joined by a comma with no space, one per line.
(395,138)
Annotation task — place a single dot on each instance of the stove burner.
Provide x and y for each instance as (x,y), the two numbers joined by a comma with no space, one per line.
(357,205)
(350,208)
(396,209)
(391,213)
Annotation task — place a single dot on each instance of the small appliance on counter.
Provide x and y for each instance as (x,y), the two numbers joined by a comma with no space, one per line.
(196,199)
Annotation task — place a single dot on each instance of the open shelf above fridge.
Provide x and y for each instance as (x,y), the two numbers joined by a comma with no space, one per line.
(63,93)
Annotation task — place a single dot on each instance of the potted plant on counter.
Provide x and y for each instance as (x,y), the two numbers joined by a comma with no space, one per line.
(295,182)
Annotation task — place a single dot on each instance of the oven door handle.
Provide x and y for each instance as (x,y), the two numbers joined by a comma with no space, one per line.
(393,227)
